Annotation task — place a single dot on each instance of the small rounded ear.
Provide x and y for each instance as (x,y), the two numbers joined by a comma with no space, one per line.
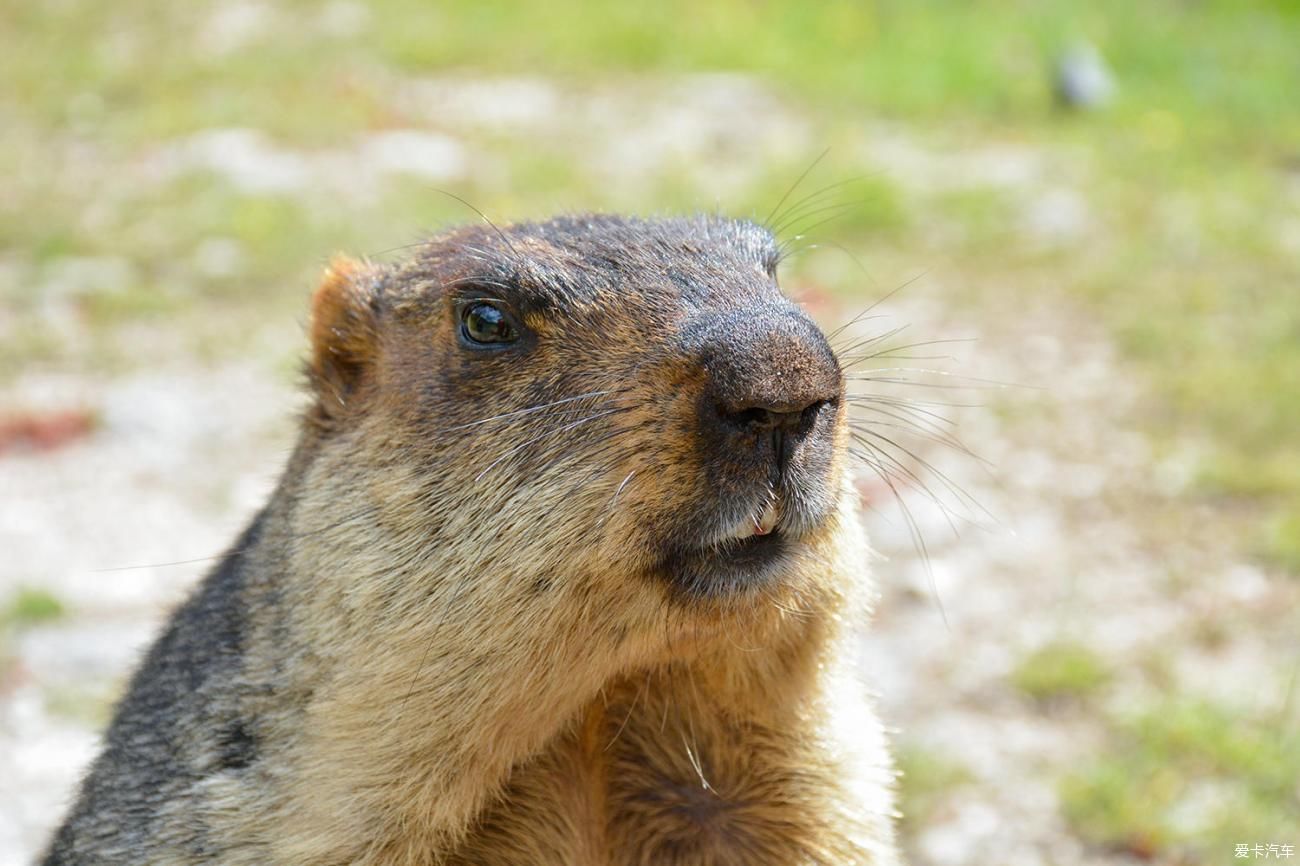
(343,334)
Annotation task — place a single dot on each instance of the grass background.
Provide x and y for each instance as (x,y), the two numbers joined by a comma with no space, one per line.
(1192,262)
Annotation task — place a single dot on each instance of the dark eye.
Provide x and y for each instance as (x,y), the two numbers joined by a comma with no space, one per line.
(484,324)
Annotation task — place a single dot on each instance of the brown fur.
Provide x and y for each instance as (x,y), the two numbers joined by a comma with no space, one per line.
(456,647)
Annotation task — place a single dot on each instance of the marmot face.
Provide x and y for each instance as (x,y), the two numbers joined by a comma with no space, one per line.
(597,394)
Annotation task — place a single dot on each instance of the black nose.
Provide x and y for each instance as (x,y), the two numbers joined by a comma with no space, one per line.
(770,373)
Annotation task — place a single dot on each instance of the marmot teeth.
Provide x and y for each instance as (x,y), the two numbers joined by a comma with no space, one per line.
(759,524)
(766,522)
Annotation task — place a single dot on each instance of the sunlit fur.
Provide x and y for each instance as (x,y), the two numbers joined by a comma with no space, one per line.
(447,638)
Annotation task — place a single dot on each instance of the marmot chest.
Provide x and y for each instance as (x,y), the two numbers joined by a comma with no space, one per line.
(645,779)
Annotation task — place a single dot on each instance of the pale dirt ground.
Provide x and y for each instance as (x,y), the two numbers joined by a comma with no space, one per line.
(1091,539)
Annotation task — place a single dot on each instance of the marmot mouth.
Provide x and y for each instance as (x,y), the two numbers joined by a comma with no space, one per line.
(733,567)
(754,549)
(752,552)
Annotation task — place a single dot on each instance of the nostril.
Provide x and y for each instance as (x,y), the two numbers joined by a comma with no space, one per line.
(760,418)
(809,414)
(754,418)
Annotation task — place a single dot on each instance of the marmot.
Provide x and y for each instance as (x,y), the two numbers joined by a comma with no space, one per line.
(559,572)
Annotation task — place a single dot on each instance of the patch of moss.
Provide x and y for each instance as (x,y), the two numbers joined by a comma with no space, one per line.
(30,606)
(1061,670)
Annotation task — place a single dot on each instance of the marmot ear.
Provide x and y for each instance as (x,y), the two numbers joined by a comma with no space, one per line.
(343,334)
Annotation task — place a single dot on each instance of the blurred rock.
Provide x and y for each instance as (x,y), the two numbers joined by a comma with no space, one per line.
(78,276)
(412,151)
(244,157)
(218,257)
(499,103)
(1081,79)
(1056,216)
(343,18)
(233,26)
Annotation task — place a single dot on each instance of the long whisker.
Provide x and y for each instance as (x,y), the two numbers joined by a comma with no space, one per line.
(959,492)
(914,530)
(477,280)
(910,426)
(504,239)
(792,214)
(857,262)
(839,211)
(848,353)
(888,351)
(807,171)
(914,410)
(537,408)
(161,564)
(813,209)
(994,383)
(645,686)
(516,449)
(851,322)
(609,509)
(912,402)
(913,383)
(901,472)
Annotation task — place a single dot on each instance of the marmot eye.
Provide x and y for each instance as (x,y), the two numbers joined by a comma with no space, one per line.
(481,323)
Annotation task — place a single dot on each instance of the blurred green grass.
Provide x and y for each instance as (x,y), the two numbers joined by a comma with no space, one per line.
(1191,178)
(1061,671)
(29,607)
(1221,69)
(1191,777)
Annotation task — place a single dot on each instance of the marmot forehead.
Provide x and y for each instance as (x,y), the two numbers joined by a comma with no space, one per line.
(701,260)
(648,242)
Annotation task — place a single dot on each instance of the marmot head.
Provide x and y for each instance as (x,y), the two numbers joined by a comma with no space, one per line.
(589,394)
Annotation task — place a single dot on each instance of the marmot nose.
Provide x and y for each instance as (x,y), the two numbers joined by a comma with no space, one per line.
(769,370)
